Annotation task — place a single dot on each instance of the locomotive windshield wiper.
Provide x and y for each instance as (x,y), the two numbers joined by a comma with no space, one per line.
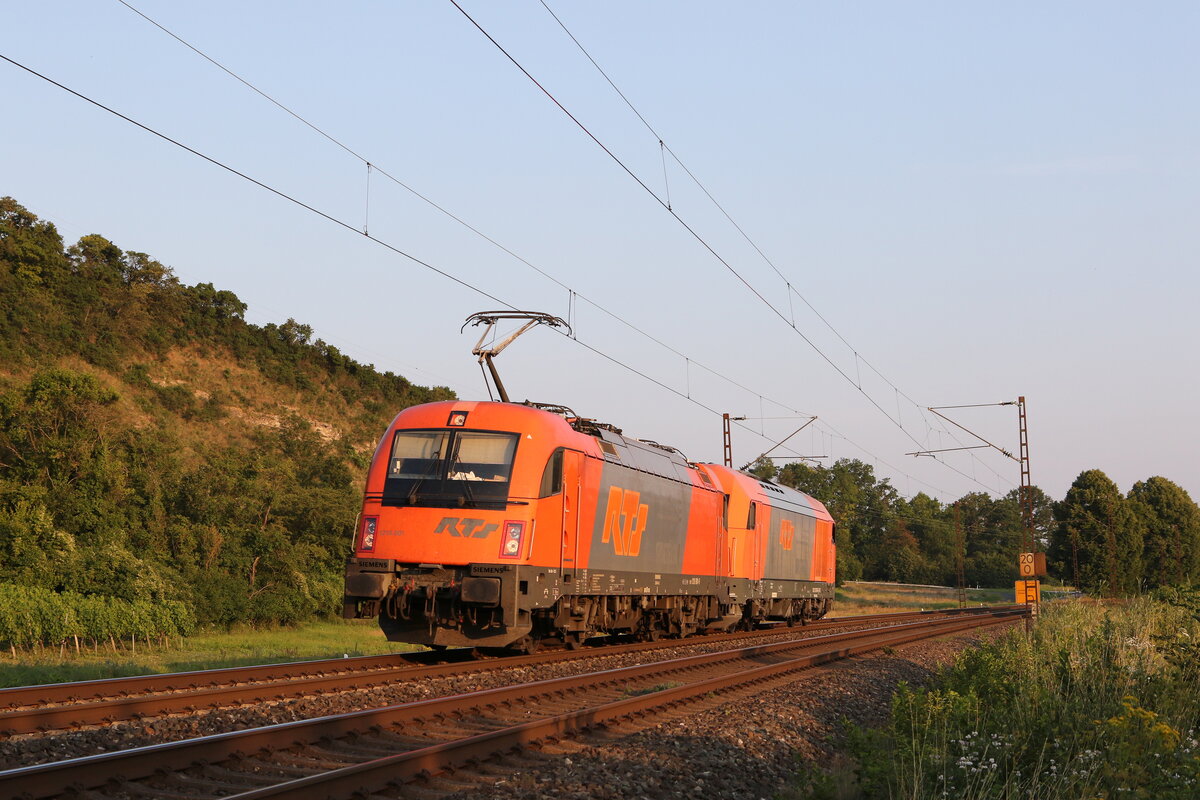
(434,463)
(467,498)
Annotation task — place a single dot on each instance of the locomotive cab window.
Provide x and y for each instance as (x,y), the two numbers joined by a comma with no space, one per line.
(752,516)
(450,469)
(552,482)
(482,456)
(417,454)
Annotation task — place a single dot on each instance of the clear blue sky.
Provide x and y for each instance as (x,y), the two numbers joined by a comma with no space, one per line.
(984,200)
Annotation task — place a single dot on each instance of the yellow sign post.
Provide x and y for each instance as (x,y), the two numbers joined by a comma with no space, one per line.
(1028,592)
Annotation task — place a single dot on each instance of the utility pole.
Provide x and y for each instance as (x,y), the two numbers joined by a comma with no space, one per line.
(725,420)
(1030,562)
(1026,490)
(960,558)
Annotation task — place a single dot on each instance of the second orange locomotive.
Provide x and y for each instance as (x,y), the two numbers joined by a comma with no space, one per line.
(503,524)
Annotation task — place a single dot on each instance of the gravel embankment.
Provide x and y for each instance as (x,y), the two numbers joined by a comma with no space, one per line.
(744,750)
(39,748)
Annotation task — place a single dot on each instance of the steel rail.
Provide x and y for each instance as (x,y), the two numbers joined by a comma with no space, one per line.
(391,771)
(82,691)
(187,693)
(48,780)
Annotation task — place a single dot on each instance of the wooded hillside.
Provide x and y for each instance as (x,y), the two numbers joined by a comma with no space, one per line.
(154,446)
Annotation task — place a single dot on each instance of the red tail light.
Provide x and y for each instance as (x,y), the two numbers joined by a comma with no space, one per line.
(366,535)
(510,542)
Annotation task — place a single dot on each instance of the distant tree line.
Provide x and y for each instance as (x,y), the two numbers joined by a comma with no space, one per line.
(136,490)
(1118,545)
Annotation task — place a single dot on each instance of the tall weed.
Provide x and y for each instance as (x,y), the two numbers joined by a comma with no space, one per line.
(1098,702)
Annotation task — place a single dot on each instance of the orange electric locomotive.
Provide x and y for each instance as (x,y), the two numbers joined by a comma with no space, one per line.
(503,524)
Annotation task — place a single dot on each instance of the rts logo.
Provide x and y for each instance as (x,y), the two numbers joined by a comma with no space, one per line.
(472,528)
(787,533)
(625,521)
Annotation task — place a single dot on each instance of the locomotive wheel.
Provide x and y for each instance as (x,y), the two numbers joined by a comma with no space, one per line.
(574,640)
(650,632)
(526,645)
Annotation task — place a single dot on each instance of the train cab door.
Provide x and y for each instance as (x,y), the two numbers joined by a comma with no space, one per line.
(753,540)
(572,489)
(558,509)
(728,543)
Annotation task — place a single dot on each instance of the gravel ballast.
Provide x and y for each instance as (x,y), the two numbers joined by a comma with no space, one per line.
(757,739)
(743,750)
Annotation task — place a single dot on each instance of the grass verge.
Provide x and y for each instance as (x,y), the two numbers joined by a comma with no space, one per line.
(239,647)
(1099,702)
(881,598)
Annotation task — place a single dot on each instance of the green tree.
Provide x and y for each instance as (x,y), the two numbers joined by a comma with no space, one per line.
(763,468)
(60,432)
(33,551)
(1172,532)
(932,525)
(993,532)
(904,563)
(31,249)
(1097,522)
(861,506)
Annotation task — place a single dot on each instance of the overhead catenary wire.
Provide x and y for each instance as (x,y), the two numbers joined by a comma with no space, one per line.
(788,283)
(371,166)
(696,235)
(790,286)
(277,192)
(348,226)
(573,295)
(701,239)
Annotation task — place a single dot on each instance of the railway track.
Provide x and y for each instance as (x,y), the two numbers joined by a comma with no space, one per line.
(391,751)
(39,709)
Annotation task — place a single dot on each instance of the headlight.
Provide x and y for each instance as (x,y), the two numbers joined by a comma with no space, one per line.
(510,544)
(366,537)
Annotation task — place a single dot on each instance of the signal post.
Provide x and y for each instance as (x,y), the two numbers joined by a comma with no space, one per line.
(1028,589)
(1031,563)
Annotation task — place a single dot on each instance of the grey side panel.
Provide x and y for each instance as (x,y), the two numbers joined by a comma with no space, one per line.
(668,504)
(796,563)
